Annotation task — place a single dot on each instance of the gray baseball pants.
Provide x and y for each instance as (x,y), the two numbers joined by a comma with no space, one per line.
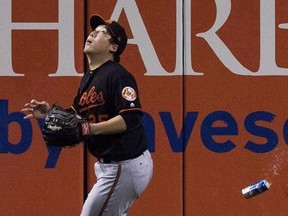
(118,185)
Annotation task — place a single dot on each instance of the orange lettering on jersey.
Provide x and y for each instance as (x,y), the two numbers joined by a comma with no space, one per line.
(97,118)
(91,97)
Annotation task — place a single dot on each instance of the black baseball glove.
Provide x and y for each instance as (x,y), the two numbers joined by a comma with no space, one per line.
(63,128)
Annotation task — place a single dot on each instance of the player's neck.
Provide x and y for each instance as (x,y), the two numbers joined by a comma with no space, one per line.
(96,61)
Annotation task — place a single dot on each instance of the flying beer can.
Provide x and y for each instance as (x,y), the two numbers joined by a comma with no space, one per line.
(255,189)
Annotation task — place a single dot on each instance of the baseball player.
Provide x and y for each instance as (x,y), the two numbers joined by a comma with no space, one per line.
(108,96)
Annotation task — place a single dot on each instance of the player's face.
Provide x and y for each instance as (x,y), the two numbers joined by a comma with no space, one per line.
(98,42)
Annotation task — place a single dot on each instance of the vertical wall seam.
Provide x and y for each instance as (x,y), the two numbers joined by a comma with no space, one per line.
(183,106)
(85,170)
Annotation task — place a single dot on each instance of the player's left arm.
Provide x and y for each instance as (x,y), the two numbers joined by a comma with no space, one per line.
(112,126)
(127,104)
(118,124)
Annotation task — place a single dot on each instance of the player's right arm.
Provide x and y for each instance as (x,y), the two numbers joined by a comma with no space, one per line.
(36,109)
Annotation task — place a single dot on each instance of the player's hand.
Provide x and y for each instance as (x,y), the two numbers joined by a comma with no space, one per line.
(36,109)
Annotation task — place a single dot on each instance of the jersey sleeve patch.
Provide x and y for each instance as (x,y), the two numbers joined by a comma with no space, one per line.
(129,94)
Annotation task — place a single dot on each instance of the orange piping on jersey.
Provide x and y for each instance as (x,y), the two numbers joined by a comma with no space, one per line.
(132,109)
(72,107)
(88,107)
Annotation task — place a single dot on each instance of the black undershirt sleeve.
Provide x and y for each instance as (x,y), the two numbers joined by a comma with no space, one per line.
(132,119)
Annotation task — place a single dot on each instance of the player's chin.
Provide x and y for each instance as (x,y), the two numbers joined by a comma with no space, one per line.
(87,45)
(87,49)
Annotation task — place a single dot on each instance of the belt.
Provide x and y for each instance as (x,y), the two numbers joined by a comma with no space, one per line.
(104,160)
(108,161)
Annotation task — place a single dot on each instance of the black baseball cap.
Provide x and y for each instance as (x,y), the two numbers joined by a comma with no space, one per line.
(116,30)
